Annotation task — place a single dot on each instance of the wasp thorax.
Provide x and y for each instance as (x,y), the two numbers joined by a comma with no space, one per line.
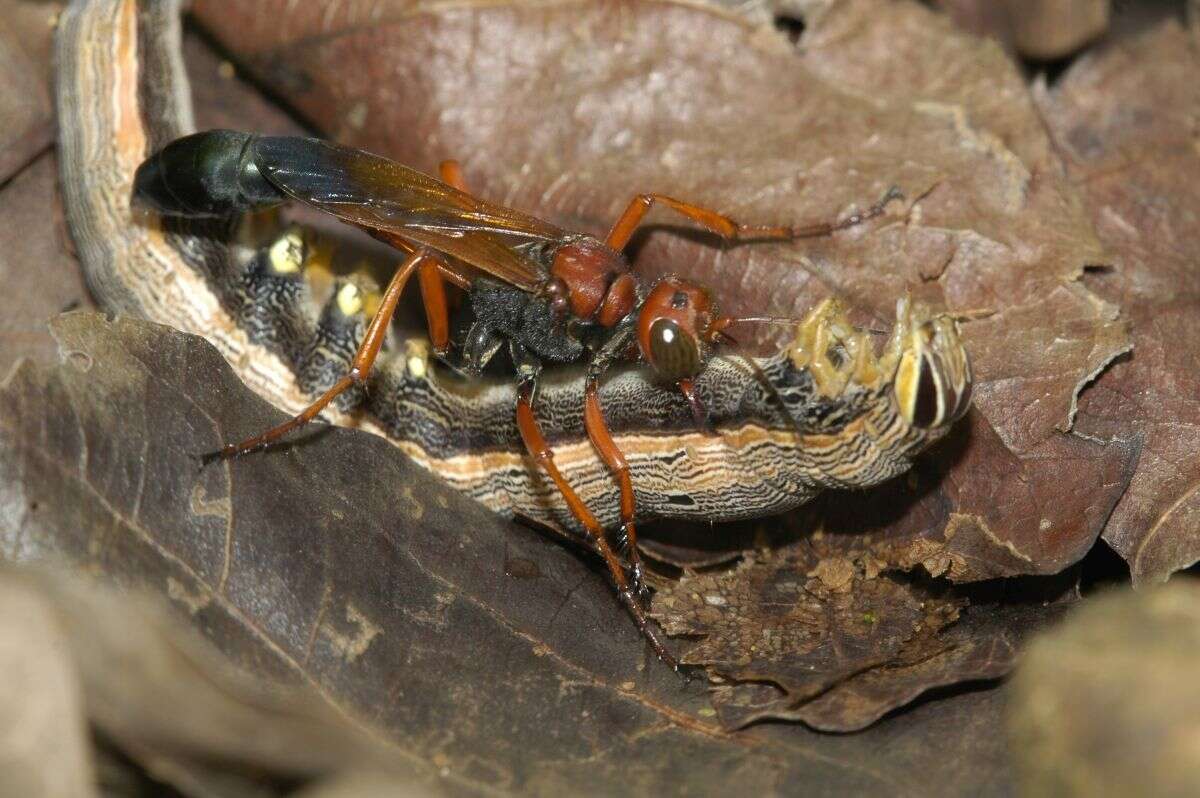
(588,275)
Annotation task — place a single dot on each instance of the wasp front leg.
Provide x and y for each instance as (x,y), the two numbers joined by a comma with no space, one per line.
(602,441)
(610,453)
(731,230)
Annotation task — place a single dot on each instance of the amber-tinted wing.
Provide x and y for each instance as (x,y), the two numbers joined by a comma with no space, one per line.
(379,194)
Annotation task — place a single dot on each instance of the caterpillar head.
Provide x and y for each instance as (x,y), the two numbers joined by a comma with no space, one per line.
(932,379)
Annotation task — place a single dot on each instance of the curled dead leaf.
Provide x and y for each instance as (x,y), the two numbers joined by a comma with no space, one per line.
(1124,117)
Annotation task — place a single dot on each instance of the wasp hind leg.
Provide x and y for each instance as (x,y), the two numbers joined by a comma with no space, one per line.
(364,359)
(535,444)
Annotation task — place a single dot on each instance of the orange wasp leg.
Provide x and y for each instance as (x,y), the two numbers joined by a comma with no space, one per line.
(364,358)
(604,444)
(437,308)
(727,228)
(445,270)
(433,296)
(452,175)
(610,453)
(536,445)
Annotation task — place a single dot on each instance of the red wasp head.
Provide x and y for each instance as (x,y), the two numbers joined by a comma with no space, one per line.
(675,329)
(677,326)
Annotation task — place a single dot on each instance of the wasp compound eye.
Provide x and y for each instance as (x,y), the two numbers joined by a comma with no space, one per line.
(674,354)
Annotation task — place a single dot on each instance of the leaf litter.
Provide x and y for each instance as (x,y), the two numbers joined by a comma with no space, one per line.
(396,613)
(992,229)
(993,224)
(1124,117)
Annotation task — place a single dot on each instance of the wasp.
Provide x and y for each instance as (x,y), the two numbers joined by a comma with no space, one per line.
(547,294)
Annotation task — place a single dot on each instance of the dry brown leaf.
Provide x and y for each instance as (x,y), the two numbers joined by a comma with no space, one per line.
(819,632)
(28,127)
(1125,119)
(389,595)
(803,617)
(569,109)
(981,645)
(81,655)
(39,275)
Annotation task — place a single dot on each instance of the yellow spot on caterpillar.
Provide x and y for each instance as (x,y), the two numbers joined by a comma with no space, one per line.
(906,385)
(371,302)
(286,255)
(416,357)
(349,300)
(318,268)
(366,298)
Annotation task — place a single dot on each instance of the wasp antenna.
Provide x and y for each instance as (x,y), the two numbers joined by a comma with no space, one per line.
(764,320)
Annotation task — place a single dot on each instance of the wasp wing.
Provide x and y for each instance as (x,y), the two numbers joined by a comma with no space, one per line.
(379,194)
